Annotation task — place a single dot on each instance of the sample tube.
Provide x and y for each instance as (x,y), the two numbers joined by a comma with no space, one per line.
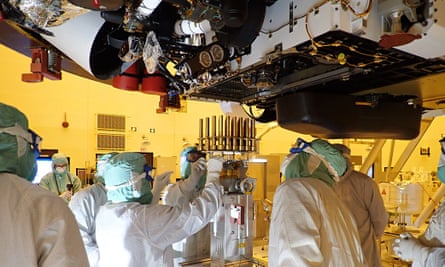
(213,137)
(201,134)
(254,147)
(241,134)
(226,133)
(229,133)
(220,133)
(207,127)
(235,134)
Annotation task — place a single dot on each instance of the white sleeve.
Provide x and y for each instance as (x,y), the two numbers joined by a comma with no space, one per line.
(85,204)
(59,244)
(165,225)
(298,245)
(177,196)
(436,257)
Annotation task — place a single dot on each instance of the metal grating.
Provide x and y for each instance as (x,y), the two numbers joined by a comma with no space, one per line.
(298,70)
(110,132)
(107,122)
(112,142)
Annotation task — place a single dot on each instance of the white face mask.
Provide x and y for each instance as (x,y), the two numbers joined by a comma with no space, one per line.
(60,169)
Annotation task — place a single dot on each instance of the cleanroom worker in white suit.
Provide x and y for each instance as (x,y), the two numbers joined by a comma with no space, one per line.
(198,244)
(362,196)
(132,232)
(310,226)
(409,248)
(86,204)
(36,226)
(429,248)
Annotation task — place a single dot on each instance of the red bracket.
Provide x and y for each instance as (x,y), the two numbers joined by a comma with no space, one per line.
(45,63)
(388,41)
(163,103)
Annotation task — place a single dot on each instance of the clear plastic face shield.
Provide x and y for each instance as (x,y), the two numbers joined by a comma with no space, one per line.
(136,181)
(441,165)
(187,157)
(194,155)
(100,167)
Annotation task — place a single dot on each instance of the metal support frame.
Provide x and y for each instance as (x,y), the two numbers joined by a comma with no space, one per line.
(393,172)
(372,156)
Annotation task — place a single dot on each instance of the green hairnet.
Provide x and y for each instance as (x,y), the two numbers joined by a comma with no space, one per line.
(346,151)
(331,154)
(186,167)
(305,164)
(16,154)
(59,159)
(120,169)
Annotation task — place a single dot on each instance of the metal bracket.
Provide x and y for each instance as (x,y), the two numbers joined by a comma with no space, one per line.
(45,63)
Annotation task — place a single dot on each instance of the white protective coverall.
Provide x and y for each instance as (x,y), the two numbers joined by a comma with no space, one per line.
(198,244)
(362,196)
(131,234)
(429,248)
(311,227)
(434,235)
(36,227)
(195,245)
(57,182)
(436,257)
(85,205)
(409,248)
